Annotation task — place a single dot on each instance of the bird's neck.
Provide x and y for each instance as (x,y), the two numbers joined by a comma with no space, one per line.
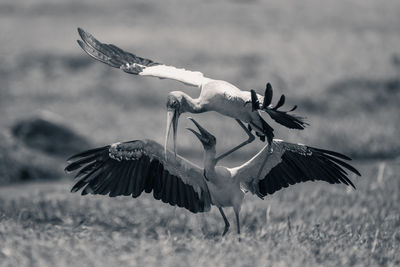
(190,105)
(209,161)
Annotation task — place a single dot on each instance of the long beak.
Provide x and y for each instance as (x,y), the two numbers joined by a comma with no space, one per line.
(172,120)
(204,136)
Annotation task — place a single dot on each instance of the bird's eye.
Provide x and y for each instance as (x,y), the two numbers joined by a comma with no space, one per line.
(172,104)
(175,104)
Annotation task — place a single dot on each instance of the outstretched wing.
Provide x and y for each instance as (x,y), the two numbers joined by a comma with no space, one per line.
(130,168)
(130,63)
(289,164)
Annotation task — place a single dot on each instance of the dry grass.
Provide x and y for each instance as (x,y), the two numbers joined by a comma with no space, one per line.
(337,60)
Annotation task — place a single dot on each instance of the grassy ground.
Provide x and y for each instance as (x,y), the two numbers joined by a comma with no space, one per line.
(338,61)
(311,224)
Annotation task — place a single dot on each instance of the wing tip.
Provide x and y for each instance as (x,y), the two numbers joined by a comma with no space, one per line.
(357,173)
(338,159)
(81,44)
(70,168)
(74,189)
(82,33)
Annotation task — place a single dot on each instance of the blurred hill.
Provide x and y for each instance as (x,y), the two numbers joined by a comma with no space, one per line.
(20,164)
(335,60)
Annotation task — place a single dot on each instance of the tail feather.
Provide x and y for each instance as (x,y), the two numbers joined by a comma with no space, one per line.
(280,102)
(281,117)
(287,120)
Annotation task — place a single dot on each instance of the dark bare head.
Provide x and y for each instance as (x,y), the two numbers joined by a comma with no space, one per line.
(207,139)
(174,101)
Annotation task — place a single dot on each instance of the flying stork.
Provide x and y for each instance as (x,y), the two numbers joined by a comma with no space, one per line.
(215,95)
(129,168)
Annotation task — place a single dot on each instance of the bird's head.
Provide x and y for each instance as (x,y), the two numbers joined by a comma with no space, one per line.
(174,110)
(174,101)
(207,139)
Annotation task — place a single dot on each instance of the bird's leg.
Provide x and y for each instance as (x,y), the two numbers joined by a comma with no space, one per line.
(225,220)
(237,222)
(248,141)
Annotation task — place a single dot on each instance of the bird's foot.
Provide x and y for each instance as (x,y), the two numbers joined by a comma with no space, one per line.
(225,230)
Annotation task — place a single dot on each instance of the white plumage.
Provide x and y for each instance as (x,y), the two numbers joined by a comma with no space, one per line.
(192,78)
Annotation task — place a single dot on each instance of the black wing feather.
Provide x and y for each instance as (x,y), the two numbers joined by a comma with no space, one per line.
(333,153)
(319,165)
(174,192)
(112,55)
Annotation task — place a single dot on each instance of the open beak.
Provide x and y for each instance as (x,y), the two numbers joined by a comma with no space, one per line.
(172,120)
(204,136)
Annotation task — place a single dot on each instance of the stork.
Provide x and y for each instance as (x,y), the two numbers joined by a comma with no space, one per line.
(215,95)
(129,168)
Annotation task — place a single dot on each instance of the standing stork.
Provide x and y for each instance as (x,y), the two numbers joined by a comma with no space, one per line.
(130,168)
(215,95)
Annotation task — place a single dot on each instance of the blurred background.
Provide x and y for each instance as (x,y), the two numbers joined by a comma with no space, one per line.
(339,61)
